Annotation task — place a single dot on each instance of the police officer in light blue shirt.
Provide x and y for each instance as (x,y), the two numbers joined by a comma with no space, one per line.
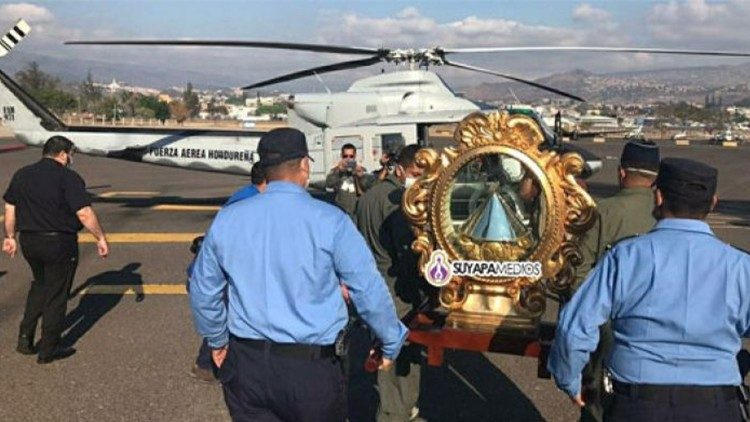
(281,256)
(256,186)
(203,368)
(679,301)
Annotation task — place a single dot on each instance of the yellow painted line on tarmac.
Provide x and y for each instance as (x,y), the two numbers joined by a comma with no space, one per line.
(129,289)
(729,144)
(142,237)
(682,142)
(129,193)
(177,207)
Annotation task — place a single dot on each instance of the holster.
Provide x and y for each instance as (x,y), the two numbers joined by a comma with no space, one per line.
(341,346)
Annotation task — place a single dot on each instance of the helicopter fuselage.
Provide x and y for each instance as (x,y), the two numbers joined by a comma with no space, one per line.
(377,114)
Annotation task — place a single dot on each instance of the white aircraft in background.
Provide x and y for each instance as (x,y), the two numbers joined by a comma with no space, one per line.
(377,114)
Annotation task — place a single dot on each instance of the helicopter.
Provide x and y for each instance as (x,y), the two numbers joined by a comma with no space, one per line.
(378,114)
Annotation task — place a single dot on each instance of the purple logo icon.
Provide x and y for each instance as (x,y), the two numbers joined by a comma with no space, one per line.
(438,271)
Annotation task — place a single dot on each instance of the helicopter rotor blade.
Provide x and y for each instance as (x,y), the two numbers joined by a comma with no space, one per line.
(513,78)
(596,49)
(318,48)
(352,64)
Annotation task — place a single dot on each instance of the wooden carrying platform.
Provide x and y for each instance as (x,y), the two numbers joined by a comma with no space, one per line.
(430,332)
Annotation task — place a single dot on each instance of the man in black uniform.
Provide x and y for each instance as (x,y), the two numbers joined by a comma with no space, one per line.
(48,204)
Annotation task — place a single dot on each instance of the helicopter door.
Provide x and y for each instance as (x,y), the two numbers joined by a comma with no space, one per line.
(437,136)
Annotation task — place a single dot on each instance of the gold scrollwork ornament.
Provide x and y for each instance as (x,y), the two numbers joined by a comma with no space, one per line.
(561,212)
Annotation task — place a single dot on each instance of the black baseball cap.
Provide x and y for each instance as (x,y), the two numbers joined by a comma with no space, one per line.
(281,145)
(640,156)
(687,179)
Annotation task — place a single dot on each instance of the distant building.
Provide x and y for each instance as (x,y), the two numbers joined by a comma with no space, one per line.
(261,101)
(601,122)
(115,86)
(165,98)
(240,112)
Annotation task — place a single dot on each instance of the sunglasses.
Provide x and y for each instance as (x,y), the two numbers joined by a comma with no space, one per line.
(347,156)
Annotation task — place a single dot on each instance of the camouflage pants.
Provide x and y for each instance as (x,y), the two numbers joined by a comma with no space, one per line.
(399,387)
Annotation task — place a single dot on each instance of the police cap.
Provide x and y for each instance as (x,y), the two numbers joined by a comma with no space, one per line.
(641,156)
(281,145)
(687,179)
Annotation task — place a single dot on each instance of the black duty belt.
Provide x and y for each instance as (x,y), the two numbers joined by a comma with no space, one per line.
(677,393)
(290,350)
(49,233)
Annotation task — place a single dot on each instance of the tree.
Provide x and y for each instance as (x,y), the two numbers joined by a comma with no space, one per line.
(89,93)
(214,109)
(34,79)
(57,100)
(273,109)
(144,113)
(160,108)
(179,111)
(129,102)
(191,101)
(236,100)
(45,88)
(109,107)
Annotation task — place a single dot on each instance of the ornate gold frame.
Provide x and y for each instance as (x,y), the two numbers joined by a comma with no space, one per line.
(501,302)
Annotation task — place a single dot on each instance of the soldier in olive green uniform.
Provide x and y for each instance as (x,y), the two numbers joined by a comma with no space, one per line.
(387,232)
(349,180)
(627,214)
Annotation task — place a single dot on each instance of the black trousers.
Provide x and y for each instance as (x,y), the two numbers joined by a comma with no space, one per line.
(53,261)
(626,408)
(262,387)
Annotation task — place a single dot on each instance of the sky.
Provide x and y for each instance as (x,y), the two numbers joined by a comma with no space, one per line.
(689,24)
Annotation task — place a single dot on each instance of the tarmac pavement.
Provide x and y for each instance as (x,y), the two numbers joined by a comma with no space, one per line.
(132,327)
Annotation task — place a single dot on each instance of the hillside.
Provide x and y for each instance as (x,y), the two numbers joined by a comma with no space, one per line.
(684,84)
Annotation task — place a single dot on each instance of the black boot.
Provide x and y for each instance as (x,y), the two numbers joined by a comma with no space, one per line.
(57,354)
(26,345)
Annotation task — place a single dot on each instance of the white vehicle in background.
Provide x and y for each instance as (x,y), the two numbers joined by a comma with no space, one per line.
(250,122)
(680,136)
(636,134)
(724,136)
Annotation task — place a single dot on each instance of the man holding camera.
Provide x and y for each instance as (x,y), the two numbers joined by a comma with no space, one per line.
(348,180)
